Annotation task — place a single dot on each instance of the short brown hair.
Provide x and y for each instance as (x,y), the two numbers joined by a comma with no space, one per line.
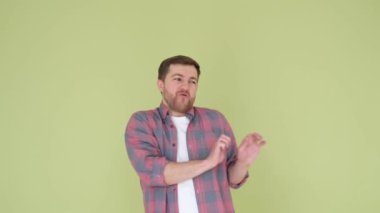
(179,59)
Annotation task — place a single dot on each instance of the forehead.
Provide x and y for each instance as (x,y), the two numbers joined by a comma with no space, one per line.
(185,70)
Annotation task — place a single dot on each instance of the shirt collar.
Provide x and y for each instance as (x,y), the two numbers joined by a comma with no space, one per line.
(164,110)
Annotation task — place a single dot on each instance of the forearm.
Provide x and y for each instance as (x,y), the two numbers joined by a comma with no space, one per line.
(237,172)
(178,172)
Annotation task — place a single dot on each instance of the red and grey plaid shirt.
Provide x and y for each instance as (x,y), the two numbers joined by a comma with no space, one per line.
(151,141)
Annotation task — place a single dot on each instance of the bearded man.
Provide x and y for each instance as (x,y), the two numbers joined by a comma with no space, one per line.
(185,156)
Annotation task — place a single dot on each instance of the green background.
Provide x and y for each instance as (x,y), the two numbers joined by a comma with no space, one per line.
(305,74)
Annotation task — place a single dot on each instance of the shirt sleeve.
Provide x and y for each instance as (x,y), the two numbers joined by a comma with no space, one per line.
(232,153)
(143,151)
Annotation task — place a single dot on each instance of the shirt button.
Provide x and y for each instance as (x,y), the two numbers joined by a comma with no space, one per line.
(171,126)
(173,144)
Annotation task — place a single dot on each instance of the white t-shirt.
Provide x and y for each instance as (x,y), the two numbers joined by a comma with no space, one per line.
(187,201)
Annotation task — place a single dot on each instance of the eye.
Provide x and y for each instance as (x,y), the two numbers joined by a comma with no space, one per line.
(178,79)
(193,82)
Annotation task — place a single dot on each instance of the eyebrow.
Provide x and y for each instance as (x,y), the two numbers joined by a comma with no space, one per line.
(180,75)
(176,74)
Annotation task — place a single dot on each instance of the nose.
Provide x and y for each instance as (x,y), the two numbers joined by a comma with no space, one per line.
(185,86)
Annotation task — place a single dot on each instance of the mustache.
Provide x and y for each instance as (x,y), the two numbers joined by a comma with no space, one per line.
(183,92)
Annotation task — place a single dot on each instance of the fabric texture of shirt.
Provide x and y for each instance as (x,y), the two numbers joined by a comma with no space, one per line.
(151,141)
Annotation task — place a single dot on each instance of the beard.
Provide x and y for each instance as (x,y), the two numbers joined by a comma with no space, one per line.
(177,102)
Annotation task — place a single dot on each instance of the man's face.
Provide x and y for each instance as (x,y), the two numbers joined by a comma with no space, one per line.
(179,88)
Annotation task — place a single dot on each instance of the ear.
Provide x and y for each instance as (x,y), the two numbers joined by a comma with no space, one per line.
(160,85)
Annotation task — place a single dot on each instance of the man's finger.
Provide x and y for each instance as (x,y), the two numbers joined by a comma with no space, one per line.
(225,137)
(261,142)
(256,136)
(225,143)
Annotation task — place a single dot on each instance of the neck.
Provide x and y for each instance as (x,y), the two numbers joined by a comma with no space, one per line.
(176,114)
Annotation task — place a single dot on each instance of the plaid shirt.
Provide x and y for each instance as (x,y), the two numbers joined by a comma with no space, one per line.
(151,141)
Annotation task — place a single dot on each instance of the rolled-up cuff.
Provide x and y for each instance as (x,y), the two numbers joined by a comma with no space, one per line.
(157,175)
(238,185)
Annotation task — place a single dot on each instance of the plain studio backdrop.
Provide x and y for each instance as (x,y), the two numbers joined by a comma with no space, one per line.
(305,74)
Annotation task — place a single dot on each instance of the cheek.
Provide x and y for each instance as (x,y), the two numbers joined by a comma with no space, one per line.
(193,91)
(171,89)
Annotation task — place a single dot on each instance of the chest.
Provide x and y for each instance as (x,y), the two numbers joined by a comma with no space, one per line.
(200,138)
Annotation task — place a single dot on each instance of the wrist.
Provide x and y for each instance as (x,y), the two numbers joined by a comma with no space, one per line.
(207,164)
(243,164)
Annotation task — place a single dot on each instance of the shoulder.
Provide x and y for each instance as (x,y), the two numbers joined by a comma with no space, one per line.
(209,113)
(212,120)
(145,115)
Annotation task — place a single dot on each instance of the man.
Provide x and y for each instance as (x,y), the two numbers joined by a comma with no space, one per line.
(186,156)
